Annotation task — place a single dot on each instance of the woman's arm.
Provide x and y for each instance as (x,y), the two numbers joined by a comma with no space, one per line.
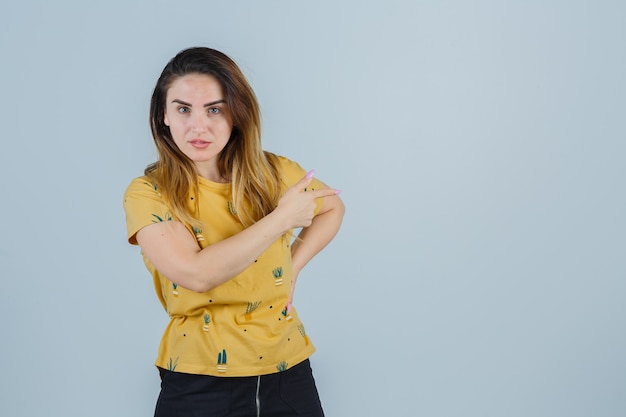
(314,238)
(175,253)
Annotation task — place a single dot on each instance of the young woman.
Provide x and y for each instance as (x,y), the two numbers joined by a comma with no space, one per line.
(214,217)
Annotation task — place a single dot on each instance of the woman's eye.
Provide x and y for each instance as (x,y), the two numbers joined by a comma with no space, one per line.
(214,110)
(183,110)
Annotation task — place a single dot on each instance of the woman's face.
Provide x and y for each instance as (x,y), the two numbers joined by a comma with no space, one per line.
(196,113)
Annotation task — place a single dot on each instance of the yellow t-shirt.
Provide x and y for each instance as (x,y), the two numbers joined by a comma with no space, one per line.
(240,328)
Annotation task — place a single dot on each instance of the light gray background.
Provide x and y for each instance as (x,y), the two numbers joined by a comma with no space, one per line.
(480,146)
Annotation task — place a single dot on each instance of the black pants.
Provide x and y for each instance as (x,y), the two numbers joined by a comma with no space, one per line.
(288,393)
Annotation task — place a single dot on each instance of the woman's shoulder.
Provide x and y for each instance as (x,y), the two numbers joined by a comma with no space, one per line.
(142,190)
(286,165)
(141,184)
(289,171)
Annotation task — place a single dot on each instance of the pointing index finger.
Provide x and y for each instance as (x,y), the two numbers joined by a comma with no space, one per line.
(325,192)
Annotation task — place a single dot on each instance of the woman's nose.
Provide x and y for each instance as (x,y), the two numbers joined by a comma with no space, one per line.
(199,123)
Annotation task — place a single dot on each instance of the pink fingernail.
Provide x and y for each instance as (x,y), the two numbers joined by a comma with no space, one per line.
(310,173)
(337,192)
(288,307)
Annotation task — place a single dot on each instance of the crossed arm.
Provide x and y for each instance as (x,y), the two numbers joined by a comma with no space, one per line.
(175,253)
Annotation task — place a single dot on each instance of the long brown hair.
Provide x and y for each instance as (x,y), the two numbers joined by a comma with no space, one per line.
(253,173)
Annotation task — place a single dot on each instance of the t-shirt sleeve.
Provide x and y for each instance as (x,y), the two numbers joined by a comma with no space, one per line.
(143,206)
(293,172)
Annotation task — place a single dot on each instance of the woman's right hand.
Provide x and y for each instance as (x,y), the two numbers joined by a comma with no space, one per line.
(297,205)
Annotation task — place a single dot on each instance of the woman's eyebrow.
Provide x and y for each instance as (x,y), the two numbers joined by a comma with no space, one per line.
(206,105)
(215,102)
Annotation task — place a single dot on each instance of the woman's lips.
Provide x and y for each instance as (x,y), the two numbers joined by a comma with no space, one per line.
(199,143)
